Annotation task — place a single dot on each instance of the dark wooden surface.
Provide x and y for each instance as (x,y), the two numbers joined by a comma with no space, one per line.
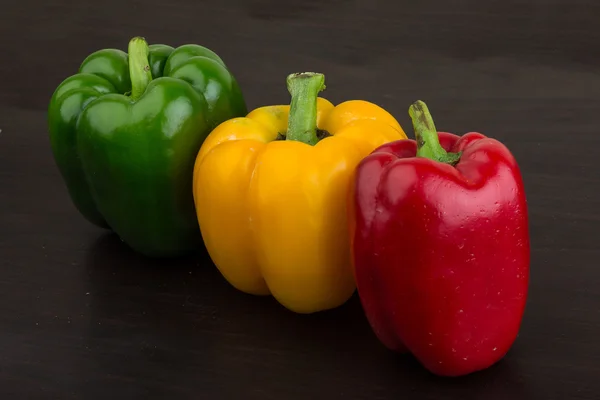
(82,317)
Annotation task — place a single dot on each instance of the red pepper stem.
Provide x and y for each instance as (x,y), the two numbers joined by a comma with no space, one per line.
(302,122)
(139,68)
(428,142)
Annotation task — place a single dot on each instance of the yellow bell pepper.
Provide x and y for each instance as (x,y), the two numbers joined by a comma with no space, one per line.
(270,191)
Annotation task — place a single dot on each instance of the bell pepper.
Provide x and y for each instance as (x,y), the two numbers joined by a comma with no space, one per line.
(271,193)
(440,246)
(125,131)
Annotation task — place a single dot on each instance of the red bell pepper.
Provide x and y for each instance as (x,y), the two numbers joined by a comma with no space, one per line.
(440,242)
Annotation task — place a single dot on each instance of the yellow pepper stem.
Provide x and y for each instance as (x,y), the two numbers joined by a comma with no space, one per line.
(304,88)
(139,68)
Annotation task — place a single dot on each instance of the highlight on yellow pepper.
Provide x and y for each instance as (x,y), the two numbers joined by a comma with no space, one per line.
(271,190)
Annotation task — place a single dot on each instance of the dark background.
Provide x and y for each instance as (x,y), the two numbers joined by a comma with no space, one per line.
(83,317)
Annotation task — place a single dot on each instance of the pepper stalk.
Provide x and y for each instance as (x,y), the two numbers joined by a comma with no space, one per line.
(304,88)
(139,67)
(428,142)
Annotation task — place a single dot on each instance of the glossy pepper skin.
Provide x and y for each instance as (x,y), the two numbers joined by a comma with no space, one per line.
(125,131)
(270,192)
(441,247)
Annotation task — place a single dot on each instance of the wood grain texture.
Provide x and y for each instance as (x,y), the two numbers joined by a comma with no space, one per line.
(82,317)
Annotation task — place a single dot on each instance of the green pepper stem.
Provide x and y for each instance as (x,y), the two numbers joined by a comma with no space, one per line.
(302,122)
(139,68)
(428,142)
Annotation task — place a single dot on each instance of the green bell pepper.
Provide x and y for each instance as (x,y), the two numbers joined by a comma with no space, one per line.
(125,132)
